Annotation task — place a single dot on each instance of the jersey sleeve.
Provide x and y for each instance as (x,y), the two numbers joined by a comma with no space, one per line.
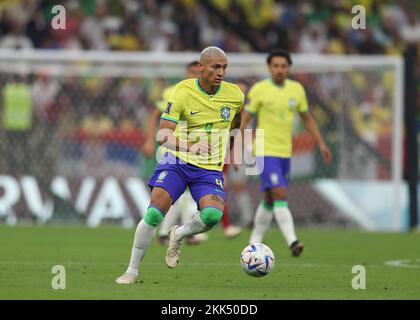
(252,103)
(174,106)
(303,102)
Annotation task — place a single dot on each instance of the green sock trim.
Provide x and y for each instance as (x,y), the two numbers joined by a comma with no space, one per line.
(153,216)
(280,203)
(267,206)
(210,216)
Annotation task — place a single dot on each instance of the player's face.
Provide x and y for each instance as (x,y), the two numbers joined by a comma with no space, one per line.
(279,69)
(214,71)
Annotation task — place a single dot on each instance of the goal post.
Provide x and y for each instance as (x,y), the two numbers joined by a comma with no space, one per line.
(63,164)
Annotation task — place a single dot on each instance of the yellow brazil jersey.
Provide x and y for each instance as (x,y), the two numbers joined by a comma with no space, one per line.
(275,107)
(166,94)
(202,116)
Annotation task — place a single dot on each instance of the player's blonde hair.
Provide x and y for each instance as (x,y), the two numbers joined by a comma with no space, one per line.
(210,53)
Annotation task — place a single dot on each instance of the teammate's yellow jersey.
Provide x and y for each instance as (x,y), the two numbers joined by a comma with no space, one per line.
(203,116)
(275,107)
(166,94)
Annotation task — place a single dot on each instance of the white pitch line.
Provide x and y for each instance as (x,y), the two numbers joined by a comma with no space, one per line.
(405,263)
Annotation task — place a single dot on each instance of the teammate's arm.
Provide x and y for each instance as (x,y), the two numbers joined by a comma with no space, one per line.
(246,118)
(166,138)
(236,124)
(149,146)
(312,127)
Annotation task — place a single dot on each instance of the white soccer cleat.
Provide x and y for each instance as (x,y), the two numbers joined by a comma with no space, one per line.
(173,252)
(127,278)
(232,232)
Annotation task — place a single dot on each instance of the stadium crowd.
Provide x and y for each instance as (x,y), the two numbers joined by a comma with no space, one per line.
(320,26)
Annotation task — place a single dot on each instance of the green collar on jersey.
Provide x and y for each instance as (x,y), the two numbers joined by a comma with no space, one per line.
(202,90)
(278,85)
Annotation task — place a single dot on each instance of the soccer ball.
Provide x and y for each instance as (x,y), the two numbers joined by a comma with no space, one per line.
(257,259)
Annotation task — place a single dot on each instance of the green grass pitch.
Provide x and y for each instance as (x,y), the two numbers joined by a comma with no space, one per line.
(94,258)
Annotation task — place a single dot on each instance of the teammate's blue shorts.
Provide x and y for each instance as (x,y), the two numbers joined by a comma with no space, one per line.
(274,172)
(174,175)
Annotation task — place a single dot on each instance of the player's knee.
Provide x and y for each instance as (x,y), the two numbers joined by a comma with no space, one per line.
(161,199)
(211,216)
(279,194)
(153,216)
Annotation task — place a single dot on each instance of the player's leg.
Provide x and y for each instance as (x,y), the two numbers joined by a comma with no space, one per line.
(281,210)
(168,185)
(206,188)
(171,219)
(230,231)
(187,208)
(211,211)
(145,232)
(262,219)
(264,214)
(284,220)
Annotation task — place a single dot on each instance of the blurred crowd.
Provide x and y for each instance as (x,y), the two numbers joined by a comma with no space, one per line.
(318,26)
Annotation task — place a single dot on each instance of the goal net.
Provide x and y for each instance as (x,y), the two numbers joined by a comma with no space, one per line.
(73,125)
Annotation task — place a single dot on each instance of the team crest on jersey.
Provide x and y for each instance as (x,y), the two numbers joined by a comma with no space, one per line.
(292,103)
(225,113)
(168,107)
(162,176)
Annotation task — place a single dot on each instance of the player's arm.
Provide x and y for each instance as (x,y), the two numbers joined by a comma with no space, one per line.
(236,124)
(252,105)
(246,118)
(166,138)
(312,127)
(149,146)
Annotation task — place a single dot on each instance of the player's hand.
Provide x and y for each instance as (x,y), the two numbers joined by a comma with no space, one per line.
(201,147)
(148,149)
(326,153)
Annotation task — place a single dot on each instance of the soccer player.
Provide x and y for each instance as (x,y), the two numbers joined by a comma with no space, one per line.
(195,127)
(185,206)
(274,102)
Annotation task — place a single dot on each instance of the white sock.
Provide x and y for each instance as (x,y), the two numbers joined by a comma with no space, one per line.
(171,218)
(188,208)
(285,222)
(142,239)
(196,225)
(262,222)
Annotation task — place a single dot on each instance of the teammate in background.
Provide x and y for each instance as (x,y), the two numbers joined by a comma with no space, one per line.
(274,102)
(185,206)
(195,127)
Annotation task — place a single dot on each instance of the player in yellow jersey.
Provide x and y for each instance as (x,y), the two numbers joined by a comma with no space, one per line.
(185,206)
(274,102)
(195,127)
